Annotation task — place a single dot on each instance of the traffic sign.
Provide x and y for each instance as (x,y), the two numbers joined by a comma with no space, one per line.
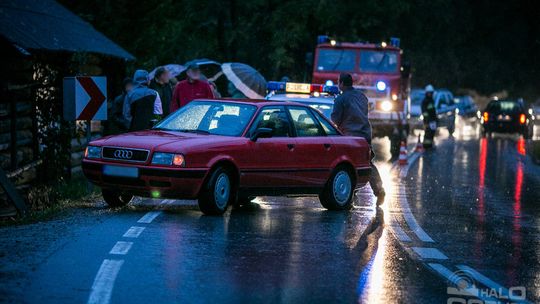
(85,98)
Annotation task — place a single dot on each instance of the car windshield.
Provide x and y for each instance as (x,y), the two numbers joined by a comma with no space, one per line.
(504,107)
(417,96)
(208,117)
(336,60)
(378,61)
(325,109)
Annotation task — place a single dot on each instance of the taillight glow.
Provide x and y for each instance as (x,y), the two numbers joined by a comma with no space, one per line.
(486,116)
(522,119)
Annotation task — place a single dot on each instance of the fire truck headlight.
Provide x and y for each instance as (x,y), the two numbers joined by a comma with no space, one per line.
(394,97)
(381,85)
(386,106)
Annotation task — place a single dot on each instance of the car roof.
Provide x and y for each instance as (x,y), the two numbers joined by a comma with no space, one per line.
(255,102)
(303,98)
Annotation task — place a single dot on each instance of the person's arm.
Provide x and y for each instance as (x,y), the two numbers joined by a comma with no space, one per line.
(209,91)
(127,111)
(158,109)
(337,112)
(175,100)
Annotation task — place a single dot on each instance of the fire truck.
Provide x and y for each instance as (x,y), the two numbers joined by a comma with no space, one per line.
(378,71)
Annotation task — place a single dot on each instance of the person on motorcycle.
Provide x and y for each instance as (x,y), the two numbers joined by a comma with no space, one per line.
(430,117)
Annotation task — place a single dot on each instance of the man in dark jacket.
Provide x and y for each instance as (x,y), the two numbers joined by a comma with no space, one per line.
(115,123)
(350,114)
(430,117)
(161,84)
(191,88)
(142,104)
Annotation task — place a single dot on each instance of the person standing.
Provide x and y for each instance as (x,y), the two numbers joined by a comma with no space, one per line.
(350,114)
(142,104)
(162,84)
(430,117)
(191,88)
(116,124)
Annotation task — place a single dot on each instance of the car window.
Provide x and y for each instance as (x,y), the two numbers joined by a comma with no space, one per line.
(336,60)
(304,122)
(327,127)
(274,118)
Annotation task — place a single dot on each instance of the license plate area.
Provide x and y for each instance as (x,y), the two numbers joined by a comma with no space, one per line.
(121,171)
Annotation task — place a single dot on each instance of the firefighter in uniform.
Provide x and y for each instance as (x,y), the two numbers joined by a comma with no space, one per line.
(430,117)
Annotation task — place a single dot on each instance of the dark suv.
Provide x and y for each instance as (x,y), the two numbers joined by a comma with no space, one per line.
(507,116)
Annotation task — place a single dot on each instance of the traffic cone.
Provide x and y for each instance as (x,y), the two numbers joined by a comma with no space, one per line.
(403,154)
(419,145)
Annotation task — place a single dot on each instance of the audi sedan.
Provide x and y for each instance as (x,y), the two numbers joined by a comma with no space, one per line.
(225,152)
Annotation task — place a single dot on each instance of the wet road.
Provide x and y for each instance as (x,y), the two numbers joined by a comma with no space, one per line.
(469,203)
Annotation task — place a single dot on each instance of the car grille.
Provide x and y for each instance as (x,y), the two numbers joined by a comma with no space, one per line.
(123,154)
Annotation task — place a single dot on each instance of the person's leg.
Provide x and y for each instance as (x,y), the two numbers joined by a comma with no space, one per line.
(375,182)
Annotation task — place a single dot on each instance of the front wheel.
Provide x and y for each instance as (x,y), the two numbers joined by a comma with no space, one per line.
(338,191)
(116,199)
(218,193)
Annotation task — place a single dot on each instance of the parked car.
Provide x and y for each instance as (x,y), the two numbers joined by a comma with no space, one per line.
(444,104)
(466,106)
(507,116)
(223,152)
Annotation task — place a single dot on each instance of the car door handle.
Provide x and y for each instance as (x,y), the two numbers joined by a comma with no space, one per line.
(327,146)
(290,146)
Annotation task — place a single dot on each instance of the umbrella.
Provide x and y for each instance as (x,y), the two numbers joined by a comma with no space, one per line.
(174,69)
(202,61)
(245,78)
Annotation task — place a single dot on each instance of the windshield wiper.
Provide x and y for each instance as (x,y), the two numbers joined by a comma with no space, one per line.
(197,131)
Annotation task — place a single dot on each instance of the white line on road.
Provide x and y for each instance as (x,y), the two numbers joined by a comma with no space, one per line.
(149,217)
(121,247)
(133,232)
(104,282)
(409,217)
(429,253)
(399,232)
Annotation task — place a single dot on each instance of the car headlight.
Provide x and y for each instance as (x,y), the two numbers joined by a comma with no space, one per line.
(386,106)
(168,159)
(92,152)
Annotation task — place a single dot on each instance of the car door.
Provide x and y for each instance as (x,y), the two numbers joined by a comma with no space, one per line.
(272,159)
(315,150)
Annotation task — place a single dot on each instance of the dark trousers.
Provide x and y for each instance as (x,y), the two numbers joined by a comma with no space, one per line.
(375,180)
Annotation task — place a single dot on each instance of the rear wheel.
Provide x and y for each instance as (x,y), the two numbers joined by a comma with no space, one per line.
(218,192)
(116,199)
(338,191)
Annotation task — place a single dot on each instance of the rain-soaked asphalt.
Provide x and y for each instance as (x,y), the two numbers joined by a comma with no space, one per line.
(476,199)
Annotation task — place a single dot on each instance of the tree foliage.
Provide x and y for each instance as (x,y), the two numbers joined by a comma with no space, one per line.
(482,45)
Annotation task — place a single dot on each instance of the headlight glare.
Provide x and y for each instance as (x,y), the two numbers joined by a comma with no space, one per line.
(92,152)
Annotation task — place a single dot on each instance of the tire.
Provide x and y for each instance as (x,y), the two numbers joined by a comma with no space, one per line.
(339,189)
(218,192)
(452,128)
(116,199)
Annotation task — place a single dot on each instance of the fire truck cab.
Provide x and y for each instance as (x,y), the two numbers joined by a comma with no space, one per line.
(378,71)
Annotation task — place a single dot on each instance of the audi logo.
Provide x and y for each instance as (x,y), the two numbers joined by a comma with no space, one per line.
(124,154)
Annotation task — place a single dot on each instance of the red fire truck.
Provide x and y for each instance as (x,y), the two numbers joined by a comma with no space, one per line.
(378,71)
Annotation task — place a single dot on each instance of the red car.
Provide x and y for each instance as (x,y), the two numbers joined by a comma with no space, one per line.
(223,152)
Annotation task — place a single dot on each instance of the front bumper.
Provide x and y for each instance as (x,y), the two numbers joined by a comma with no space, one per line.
(178,183)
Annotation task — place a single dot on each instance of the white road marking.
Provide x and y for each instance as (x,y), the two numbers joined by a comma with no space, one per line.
(399,232)
(409,217)
(133,232)
(104,282)
(149,217)
(429,253)
(121,247)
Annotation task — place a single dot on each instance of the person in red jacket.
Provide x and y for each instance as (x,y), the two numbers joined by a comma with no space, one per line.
(191,88)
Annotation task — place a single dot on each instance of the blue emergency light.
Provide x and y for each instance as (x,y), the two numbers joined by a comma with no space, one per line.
(381,85)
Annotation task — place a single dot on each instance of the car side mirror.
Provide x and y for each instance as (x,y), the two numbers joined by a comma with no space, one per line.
(261,133)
